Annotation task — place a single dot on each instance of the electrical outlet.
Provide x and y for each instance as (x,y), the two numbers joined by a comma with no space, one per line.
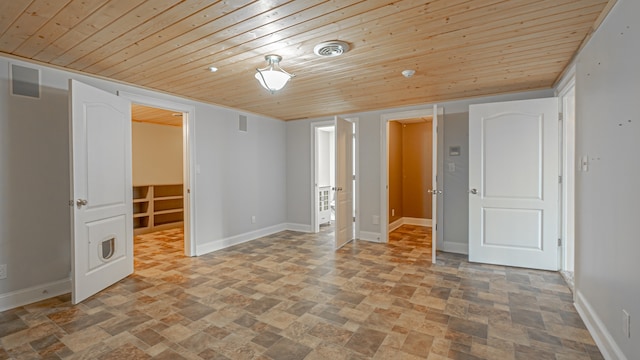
(626,324)
(3,271)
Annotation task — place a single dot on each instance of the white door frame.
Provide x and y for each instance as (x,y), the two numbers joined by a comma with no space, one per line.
(566,94)
(315,227)
(188,165)
(384,170)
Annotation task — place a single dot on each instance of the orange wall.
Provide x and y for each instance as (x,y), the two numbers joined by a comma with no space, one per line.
(395,170)
(417,168)
(410,167)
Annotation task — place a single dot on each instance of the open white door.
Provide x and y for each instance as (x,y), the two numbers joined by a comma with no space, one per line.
(102,228)
(434,186)
(344,182)
(513,181)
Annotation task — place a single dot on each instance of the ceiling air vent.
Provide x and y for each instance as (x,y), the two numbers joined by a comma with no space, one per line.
(331,48)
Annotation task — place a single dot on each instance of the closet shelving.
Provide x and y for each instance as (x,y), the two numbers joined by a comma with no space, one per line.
(157,207)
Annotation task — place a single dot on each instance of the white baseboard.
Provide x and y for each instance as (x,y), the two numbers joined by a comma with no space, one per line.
(457,248)
(416,221)
(369,236)
(299,227)
(33,294)
(238,239)
(607,345)
(409,221)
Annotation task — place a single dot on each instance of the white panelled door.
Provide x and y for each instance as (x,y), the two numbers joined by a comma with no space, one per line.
(102,227)
(513,181)
(344,182)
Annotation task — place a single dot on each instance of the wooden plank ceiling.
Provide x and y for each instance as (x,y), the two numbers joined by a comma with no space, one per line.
(458,48)
(146,114)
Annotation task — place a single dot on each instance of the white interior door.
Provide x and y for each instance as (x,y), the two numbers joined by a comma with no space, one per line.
(102,227)
(434,182)
(513,181)
(344,182)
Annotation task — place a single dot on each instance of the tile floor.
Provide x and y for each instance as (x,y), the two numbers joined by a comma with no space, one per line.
(290,296)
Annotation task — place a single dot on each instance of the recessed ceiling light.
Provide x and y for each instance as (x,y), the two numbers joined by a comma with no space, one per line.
(408,73)
(213,68)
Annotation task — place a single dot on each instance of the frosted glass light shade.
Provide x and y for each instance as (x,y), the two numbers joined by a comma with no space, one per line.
(272,80)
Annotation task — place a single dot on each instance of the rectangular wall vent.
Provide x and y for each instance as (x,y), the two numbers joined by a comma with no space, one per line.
(25,81)
(242,124)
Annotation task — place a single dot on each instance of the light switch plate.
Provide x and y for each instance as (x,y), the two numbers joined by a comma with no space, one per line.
(584,163)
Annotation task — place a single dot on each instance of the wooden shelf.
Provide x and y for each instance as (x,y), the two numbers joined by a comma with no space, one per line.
(157,207)
(168,198)
(167,211)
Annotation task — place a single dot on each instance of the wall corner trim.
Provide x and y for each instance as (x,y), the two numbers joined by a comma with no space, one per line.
(607,345)
(34,294)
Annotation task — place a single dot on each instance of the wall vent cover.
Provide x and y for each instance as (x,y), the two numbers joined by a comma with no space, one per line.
(242,123)
(25,81)
(331,48)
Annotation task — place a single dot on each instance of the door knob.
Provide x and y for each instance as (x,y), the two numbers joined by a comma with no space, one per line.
(81,202)
(473,191)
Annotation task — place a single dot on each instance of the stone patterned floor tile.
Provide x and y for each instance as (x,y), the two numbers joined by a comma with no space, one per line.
(291,296)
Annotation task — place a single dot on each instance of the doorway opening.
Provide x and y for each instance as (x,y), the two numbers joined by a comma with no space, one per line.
(170,204)
(325,168)
(324,160)
(157,177)
(431,187)
(410,168)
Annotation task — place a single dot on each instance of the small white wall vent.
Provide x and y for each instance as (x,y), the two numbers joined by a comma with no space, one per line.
(331,48)
(242,123)
(25,81)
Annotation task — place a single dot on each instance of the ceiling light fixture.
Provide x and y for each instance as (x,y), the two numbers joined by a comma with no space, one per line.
(408,73)
(273,77)
(213,68)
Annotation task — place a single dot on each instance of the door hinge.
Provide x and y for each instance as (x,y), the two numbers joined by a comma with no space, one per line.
(559,242)
(560,116)
(560,179)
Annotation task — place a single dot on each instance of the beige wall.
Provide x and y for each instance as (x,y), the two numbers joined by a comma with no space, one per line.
(395,171)
(417,167)
(157,154)
(410,169)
